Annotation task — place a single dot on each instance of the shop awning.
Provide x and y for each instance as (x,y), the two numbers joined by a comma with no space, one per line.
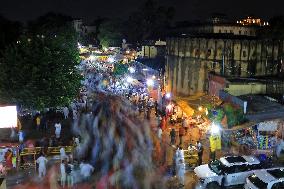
(189,111)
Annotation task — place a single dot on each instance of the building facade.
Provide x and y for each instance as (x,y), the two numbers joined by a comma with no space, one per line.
(191,57)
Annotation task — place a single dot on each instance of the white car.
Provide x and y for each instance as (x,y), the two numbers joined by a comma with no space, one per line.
(266,179)
(228,171)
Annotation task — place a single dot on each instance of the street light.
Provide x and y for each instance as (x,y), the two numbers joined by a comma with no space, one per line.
(200,108)
(111,59)
(92,57)
(150,82)
(131,70)
(129,79)
(168,95)
(215,129)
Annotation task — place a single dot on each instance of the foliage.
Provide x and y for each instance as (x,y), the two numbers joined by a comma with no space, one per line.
(234,115)
(110,33)
(40,71)
(216,118)
(120,69)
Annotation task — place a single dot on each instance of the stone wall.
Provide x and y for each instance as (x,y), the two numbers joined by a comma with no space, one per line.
(189,59)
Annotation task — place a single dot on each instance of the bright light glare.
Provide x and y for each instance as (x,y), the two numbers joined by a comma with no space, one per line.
(214,129)
(200,108)
(150,82)
(8,116)
(111,59)
(129,79)
(131,70)
(92,57)
(145,69)
(153,77)
(168,95)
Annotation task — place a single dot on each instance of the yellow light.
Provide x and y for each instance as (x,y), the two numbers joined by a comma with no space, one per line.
(200,108)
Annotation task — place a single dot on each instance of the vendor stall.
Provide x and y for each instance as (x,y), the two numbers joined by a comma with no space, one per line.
(8,157)
(266,135)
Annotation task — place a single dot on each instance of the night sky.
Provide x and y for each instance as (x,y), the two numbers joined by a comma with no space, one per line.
(24,10)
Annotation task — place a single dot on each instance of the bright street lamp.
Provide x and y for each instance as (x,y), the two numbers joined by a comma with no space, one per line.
(215,129)
(131,69)
(168,95)
(129,79)
(150,82)
(111,59)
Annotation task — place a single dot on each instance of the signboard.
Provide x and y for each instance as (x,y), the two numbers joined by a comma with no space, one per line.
(215,142)
(8,116)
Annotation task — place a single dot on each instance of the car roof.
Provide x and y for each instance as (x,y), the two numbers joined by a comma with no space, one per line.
(271,174)
(239,160)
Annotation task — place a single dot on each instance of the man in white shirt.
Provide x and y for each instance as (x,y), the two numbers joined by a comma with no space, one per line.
(63,173)
(65,112)
(86,170)
(160,132)
(62,153)
(41,161)
(57,129)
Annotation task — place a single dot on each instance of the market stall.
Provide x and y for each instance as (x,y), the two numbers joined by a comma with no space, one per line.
(8,157)
(267,135)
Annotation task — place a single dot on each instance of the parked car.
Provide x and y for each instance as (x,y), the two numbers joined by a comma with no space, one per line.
(266,179)
(227,171)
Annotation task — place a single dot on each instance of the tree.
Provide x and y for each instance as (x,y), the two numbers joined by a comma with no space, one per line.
(110,33)
(49,24)
(120,69)
(40,71)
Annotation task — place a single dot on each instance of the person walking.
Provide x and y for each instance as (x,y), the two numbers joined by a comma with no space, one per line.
(62,153)
(57,129)
(173,136)
(41,161)
(62,173)
(69,174)
(37,120)
(86,171)
(21,136)
(181,171)
(199,152)
(65,112)
(181,133)
(160,132)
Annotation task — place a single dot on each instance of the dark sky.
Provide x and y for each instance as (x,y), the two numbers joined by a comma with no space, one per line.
(24,10)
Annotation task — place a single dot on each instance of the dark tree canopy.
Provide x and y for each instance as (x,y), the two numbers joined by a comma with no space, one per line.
(49,24)
(40,71)
(111,33)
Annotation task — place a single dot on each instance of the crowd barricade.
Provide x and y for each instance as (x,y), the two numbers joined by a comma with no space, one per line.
(28,156)
(56,150)
(191,158)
